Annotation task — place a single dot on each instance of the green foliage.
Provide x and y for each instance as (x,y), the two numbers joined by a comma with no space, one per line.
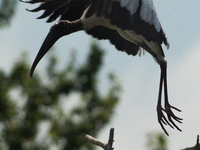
(7,10)
(56,109)
(156,141)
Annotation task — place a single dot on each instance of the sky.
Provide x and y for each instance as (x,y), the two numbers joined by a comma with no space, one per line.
(139,76)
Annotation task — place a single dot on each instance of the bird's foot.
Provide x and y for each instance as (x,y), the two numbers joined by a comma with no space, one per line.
(170,115)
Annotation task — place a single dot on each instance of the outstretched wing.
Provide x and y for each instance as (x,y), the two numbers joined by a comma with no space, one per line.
(73,9)
(63,9)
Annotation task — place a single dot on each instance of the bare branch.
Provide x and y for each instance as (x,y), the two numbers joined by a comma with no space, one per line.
(110,140)
(108,146)
(196,147)
(97,142)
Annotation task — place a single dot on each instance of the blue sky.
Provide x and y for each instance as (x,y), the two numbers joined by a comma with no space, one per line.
(139,76)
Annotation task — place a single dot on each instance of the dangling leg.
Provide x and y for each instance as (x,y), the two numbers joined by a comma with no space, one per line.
(161,118)
(168,107)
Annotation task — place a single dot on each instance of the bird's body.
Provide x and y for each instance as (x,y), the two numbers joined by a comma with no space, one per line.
(129,24)
(124,16)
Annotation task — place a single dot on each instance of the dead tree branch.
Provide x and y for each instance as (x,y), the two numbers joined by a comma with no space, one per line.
(108,146)
(101,144)
(196,147)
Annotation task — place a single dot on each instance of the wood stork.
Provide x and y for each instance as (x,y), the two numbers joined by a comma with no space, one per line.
(129,24)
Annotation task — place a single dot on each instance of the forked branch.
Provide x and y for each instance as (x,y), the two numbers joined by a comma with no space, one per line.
(101,144)
(196,147)
(108,146)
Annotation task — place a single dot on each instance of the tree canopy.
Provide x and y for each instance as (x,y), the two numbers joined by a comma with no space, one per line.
(56,108)
(7,10)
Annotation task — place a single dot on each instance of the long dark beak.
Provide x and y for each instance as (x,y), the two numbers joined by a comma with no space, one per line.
(49,41)
(58,30)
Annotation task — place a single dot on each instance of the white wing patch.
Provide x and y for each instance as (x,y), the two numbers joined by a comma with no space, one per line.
(130,5)
(149,15)
(147,12)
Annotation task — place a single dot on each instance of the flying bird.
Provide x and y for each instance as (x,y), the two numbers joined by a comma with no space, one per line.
(130,25)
